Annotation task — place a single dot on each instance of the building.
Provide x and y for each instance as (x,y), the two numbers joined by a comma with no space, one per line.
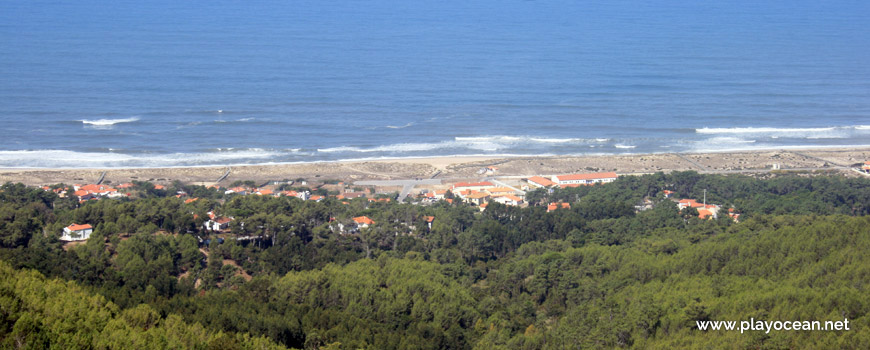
(584,179)
(237,190)
(509,200)
(351,195)
(363,221)
(501,191)
(435,195)
(554,206)
(689,203)
(478,198)
(866,167)
(217,223)
(88,192)
(540,182)
(76,232)
(472,186)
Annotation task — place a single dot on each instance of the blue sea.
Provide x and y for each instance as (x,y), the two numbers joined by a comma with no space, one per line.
(190,83)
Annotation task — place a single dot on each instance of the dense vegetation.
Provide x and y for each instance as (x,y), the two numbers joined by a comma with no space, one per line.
(598,275)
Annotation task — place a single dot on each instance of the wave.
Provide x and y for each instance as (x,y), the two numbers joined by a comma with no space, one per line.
(757,130)
(624,146)
(523,139)
(399,127)
(108,122)
(477,143)
(831,132)
(114,159)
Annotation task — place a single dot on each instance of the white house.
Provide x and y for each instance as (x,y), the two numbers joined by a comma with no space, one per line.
(217,223)
(76,232)
(509,200)
(584,179)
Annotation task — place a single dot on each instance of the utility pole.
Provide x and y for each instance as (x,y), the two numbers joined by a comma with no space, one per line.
(705,198)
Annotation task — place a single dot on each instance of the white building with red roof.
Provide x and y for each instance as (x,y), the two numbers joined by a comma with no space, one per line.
(584,179)
(540,182)
(76,232)
(471,186)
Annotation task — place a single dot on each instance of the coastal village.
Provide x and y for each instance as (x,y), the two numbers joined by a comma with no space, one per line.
(509,191)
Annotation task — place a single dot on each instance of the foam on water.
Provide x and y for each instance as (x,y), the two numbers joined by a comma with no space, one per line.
(107,123)
(71,159)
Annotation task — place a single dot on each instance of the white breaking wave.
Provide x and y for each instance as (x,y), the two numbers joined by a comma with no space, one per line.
(400,127)
(72,159)
(832,132)
(108,122)
(727,140)
(520,139)
(479,143)
(752,130)
(415,147)
(624,146)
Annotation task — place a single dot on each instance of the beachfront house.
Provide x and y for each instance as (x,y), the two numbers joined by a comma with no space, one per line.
(584,179)
(76,232)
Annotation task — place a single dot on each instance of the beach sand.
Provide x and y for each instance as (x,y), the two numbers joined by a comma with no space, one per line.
(461,167)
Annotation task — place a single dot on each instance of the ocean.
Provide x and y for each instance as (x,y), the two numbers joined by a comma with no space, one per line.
(193,83)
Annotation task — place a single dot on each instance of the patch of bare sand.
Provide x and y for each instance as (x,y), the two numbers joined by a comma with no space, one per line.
(453,167)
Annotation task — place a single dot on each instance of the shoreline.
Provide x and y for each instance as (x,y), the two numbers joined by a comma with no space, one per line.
(460,167)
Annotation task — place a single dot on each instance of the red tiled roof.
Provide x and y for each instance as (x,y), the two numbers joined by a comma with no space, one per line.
(594,176)
(704,213)
(473,184)
(554,206)
(515,198)
(76,227)
(500,189)
(190,200)
(429,218)
(364,220)
(541,181)
(223,220)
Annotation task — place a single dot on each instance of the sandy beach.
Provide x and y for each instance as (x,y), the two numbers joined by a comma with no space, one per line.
(835,159)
